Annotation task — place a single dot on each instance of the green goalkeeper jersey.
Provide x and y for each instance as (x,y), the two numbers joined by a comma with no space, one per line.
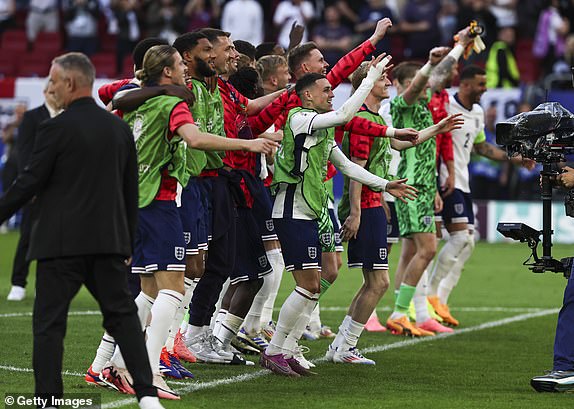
(418,164)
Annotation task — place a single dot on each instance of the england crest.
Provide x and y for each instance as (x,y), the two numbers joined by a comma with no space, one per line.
(263,261)
(269,225)
(179,253)
(312,252)
(326,239)
(427,220)
(383,253)
(187,236)
(458,208)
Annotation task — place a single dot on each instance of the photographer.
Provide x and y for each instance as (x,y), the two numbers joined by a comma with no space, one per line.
(561,378)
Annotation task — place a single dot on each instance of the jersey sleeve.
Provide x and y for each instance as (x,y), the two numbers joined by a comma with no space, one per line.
(359,146)
(261,122)
(179,116)
(365,127)
(349,63)
(480,137)
(107,91)
(302,122)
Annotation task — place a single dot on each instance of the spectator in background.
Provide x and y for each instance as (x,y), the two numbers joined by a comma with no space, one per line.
(489,180)
(199,15)
(447,21)
(501,68)
(7,11)
(81,17)
(420,23)
(505,12)
(244,19)
(268,48)
(43,15)
(371,12)
(551,32)
(165,20)
(125,12)
(349,11)
(289,12)
(333,38)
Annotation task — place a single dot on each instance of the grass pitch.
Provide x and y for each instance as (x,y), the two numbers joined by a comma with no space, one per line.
(507,314)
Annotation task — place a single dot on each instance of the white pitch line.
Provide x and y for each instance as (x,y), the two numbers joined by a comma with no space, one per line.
(378,348)
(332,309)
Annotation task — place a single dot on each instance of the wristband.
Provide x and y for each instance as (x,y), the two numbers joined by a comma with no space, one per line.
(456,52)
(426,70)
(390,133)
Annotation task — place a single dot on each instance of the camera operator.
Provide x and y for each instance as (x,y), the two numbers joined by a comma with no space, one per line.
(561,378)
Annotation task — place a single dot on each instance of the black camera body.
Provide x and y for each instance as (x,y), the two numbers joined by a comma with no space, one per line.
(545,135)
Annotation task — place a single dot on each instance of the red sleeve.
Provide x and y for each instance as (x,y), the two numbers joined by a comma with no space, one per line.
(359,146)
(349,63)
(261,122)
(331,171)
(437,106)
(444,147)
(179,116)
(106,92)
(365,127)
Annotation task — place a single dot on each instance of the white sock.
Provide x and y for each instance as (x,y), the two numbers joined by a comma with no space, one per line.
(295,335)
(315,319)
(181,311)
(451,280)
(104,352)
(291,310)
(340,338)
(352,334)
(192,332)
(144,303)
(162,314)
(185,322)
(253,321)
(446,259)
(276,259)
(219,318)
(218,304)
(229,328)
(150,402)
(420,299)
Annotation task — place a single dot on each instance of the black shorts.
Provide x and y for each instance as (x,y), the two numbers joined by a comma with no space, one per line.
(369,249)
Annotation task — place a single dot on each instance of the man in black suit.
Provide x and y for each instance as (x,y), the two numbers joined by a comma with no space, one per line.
(24,145)
(83,173)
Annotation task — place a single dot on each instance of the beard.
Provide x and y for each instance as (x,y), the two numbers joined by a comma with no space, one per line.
(204,68)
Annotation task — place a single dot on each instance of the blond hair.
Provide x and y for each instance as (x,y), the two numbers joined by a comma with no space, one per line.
(155,60)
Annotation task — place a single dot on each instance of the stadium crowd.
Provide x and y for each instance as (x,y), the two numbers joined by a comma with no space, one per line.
(254,159)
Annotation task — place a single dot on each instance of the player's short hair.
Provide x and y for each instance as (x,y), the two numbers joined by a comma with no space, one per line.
(307,81)
(263,49)
(299,54)
(188,41)
(78,65)
(245,48)
(471,71)
(141,48)
(268,64)
(405,71)
(213,34)
(247,81)
(359,74)
(155,60)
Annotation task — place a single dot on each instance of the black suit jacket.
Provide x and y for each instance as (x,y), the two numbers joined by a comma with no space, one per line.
(27,133)
(83,171)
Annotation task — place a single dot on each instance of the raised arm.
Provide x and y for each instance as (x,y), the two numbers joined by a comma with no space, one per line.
(255,106)
(346,112)
(132,99)
(448,124)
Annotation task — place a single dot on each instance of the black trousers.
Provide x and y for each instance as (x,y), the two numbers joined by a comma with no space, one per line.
(221,254)
(21,265)
(58,281)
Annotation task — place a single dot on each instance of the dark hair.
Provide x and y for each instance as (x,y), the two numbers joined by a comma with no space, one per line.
(247,81)
(141,48)
(299,54)
(264,49)
(245,48)
(213,34)
(405,70)
(80,64)
(307,81)
(470,71)
(188,41)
